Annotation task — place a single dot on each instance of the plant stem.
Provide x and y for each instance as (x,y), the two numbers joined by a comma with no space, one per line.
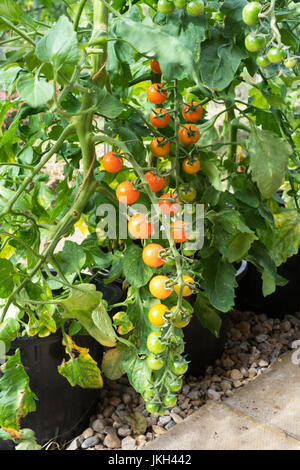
(17,30)
(78,14)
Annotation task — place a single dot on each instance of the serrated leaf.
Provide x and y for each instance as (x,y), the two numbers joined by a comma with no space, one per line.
(136,368)
(107,104)
(9,330)
(6,275)
(59,47)
(268,160)
(33,91)
(72,257)
(82,299)
(213,174)
(239,246)
(136,272)
(112,364)
(286,236)
(82,371)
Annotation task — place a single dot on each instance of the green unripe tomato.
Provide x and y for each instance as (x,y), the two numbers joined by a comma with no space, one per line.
(169,400)
(254,43)
(219,17)
(154,343)
(154,362)
(276,55)
(165,6)
(180,4)
(149,393)
(195,8)
(250,13)
(161,411)
(290,63)
(262,61)
(173,384)
(152,407)
(179,365)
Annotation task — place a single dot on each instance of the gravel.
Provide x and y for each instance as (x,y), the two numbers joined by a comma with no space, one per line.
(254,342)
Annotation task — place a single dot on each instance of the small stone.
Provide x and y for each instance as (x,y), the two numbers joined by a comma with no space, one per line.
(163,420)
(236,375)
(229,393)
(115,401)
(227,363)
(213,395)
(74,444)
(158,429)
(90,442)
(126,398)
(262,317)
(124,431)
(252,373)
(108,411)
(262,363)
(261,338)
(237,383)
(176,417)
(128,443)
(196,403)
(98,425)
(99,447)
(216,378)
(140,439)
(186,404)
(89,432)
(112,441)
(185,389)
(169,425)
(194,395)
(285,326)
(225,386)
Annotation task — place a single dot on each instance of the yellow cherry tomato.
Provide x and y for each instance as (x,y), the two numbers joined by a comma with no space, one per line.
(155,314)
(186,290)
(182,319)
(157,287)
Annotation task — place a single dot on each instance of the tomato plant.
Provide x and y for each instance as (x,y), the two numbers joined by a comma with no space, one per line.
(81,94)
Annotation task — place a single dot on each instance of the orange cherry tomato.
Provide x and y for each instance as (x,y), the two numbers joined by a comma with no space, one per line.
(166,204)
(177,232)
(188,134)
(156,183)
(151,256)
(157,93)
(155,67)
(126,193)
(159,118)
(186,291)
(191,167)
(157,287)
(192,111)
(139,227)
(160,147)
(155,314)
(112,162)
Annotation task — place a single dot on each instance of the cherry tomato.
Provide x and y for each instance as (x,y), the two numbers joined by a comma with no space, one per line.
(155,314)
(173,384)
(138,226)
(166,204)
(182,318)
(177,232)
(160,147)
(155,67)
(191,167)
(188,134)
(151,256)
(186,290)
(156,93)
(180,4)
(154,343)
(178,346)
(276,55)
(152,407)
(157,287)
(219,17)
(250,13)
(195,8)
(159,118)
(254,43)
(112,162)
(156,183)
(154,362)
(169,400)
(192,111)
(126,193)
(149,393)
(290,63)
(262,61)
(187,193)
(162,411)
(165,6)
(179,365)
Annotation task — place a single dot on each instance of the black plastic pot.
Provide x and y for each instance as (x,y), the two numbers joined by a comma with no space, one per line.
(285,300)
(203,347)
(62,411)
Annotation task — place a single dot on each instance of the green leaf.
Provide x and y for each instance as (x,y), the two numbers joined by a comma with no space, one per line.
(268,160)
(107,104)
(219,282)
(213,174)
(82,371)
(112,364)
(11,11)
(207,314)
(9,330)
(59,47)
(8,78)
(106,334)
(230,219)
(6,275)
(135,270)
(82,300)
(239,246)
(28,441)
(72,257)
(33,91)
(286,236)
(136,368)
(269,284)
(16,398)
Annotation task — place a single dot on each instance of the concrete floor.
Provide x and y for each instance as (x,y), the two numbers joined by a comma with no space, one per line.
(264,415)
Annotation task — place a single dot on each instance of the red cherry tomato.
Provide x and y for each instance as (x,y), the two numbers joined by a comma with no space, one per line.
(160,147)
(156,93)
(112,162)
(156,183)
(151,256)
(191,167)
(178,233)
(155,67)
(192,111)
(159,118)
(126,193)
(188,134)
(166,204)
